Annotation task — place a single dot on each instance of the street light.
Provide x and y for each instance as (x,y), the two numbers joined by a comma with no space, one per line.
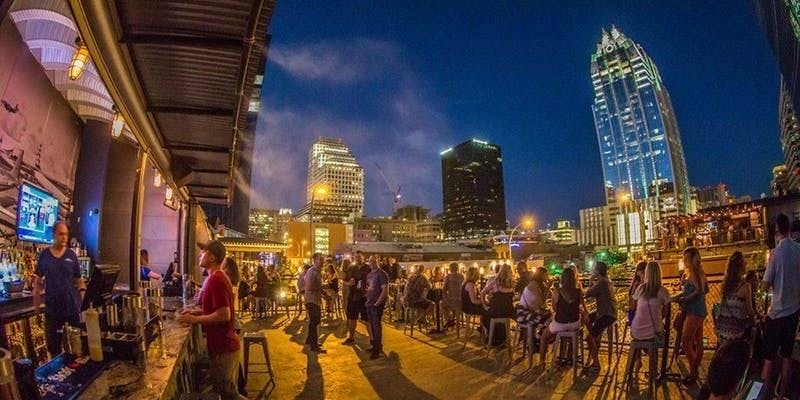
(527,223)
(320,190)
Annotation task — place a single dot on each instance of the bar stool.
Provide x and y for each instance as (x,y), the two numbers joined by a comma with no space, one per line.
(574,341)
(470,321)
(652,353)
(493,323)
(529,328)
(613,336)
(200,396)
(411,316)
(257,338)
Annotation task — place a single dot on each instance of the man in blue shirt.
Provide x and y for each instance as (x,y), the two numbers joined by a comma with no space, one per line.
(145,273)
(58,273)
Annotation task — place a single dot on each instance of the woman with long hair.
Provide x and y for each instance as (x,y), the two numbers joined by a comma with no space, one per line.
(532,307)
(636,281)
(470,301)
(650,297)
(693,303)
(568,303)
(501,303)
(734,315)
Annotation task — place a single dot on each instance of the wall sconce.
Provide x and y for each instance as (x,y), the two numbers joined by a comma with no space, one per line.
(168,194)
(157,179)
(117,124)
(79,60)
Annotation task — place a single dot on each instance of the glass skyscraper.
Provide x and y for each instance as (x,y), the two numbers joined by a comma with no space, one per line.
(640,144)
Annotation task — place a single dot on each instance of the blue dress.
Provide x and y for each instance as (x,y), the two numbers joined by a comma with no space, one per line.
(696,307)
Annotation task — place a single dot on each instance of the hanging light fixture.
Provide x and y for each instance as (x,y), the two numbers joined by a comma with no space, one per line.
(157,179)
(117,124)
(168,194)
(79,60)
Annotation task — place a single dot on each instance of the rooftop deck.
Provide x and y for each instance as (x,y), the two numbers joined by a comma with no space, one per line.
(431,367)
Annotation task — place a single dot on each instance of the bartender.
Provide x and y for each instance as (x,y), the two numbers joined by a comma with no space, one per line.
(145,273)
(58,273)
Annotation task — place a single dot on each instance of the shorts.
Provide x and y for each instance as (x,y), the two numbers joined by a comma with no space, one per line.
(779,336)
(598,325)
(556,327)
(356,310)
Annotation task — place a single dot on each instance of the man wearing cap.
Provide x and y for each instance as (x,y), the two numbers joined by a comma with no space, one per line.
(216,316)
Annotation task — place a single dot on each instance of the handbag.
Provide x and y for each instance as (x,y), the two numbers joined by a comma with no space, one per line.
(659,339)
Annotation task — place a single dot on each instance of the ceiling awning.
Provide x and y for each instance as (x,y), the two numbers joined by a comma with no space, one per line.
(181,72)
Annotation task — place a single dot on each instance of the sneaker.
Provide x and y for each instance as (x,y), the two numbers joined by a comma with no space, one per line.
(349,341)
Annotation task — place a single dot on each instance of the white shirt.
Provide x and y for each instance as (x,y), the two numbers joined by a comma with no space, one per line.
(783,273)
(648,318)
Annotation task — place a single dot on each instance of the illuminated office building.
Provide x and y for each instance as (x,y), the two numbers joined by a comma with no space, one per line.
(330,163)
(640,144)
(473,194)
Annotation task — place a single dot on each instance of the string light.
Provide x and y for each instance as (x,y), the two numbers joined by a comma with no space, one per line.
(79,60)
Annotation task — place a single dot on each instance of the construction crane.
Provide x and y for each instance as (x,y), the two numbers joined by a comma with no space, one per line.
(395,192)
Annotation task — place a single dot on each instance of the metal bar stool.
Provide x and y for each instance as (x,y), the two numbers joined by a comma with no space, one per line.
(493,323)
(411,316)
(650,347)
(529,328)
(574,341)
(470,321)
(258,338)
(613,337)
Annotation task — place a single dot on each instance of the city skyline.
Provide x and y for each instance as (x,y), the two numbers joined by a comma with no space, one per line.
(400,105)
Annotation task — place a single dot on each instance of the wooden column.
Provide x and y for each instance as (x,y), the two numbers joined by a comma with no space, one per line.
(136,219)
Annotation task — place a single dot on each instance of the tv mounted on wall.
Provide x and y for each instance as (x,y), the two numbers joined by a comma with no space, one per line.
(37,212)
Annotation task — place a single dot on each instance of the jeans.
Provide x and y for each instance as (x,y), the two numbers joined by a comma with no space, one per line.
(314,317)
(224,372)
(52,323)
(374,315)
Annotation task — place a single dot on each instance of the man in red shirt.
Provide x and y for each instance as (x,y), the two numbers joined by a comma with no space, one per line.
(216,316)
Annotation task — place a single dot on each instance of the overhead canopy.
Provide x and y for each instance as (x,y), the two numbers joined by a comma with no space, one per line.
(181,72)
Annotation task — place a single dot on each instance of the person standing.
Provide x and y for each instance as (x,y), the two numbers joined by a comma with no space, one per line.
(354,280)
(693,304)
(782,276)
(58,274)
(312,294)
(216,317)
(451,294)
(377,290)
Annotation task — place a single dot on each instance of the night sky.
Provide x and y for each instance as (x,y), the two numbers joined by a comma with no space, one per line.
(401,81)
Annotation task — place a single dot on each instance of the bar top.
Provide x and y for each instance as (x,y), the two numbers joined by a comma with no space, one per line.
(125,380)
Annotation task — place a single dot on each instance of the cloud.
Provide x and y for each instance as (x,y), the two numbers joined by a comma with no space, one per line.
(403,133)
(336,61)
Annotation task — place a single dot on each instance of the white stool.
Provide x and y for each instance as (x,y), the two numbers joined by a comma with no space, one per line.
(470,321)
(652,352)
(528,345)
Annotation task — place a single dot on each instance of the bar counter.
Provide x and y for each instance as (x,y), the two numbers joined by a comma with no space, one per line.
(165,374)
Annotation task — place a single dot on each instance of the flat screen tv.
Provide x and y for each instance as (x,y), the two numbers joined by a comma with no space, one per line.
(37,212)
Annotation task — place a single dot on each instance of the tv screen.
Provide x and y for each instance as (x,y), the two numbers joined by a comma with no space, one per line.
(37,212)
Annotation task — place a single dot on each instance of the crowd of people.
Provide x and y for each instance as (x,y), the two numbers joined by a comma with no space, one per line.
(547,304)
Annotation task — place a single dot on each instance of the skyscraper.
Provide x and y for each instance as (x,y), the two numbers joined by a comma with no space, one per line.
(331,163)
(781,22)
(473,194)
(640,144)
(790,141)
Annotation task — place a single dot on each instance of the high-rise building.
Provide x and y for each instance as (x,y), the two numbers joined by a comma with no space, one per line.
(779,180)
(781,22)
(640,144)
(473,193)
(563,233)
(790,140)
(330,163)
(714,196)
(262,223)
(412,213)
(598,228)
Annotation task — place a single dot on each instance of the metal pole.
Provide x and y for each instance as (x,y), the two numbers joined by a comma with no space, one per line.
(311,224)
(136,220)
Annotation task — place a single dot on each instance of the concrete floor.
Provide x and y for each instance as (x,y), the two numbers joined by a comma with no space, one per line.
(425,367)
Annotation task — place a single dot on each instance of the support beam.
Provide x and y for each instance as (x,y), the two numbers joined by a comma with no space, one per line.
(199,148)
(136,219)
(205,186)
(221,112)
(232,43)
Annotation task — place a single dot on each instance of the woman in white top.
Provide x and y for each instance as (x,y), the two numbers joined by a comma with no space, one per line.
(532,307)
(650,297)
